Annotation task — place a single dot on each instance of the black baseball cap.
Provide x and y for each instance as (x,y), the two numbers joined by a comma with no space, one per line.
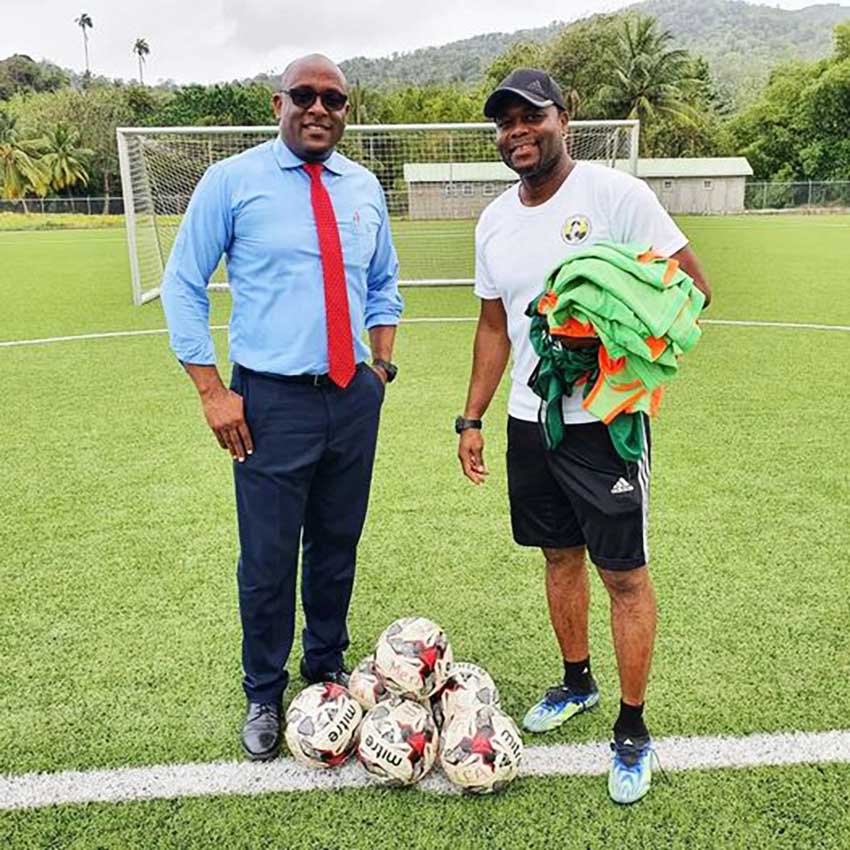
(531,84)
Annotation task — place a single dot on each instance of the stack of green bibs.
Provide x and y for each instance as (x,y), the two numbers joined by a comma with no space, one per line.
(644,310)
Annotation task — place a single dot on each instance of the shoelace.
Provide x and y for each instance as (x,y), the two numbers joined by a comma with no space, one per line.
(264,708)
(559,693)
(633,752)
(654,754)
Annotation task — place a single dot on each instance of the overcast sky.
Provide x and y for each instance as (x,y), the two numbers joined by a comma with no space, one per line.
(214,40)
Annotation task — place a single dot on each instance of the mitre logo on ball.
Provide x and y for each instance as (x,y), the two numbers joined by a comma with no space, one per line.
(398,742)
(321,725)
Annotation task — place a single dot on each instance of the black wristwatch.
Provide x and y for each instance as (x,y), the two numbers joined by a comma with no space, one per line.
(462,424)
(390,368)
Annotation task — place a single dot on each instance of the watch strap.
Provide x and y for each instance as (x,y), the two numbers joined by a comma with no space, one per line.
(463,424)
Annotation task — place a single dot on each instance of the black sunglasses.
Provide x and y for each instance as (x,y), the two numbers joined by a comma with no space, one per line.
(304,97)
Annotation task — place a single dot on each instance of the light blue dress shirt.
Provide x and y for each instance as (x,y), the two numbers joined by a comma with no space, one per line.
(255,208)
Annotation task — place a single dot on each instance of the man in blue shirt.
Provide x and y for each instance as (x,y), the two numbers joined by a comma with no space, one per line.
(311,264)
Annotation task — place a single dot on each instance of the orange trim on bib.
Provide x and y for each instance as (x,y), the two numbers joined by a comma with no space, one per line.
(655,400)
(670,271)
(657,346)
(574,328)
(624,388)
(610,365)
(594,392)
(620,408)
(648,256)
(547,303)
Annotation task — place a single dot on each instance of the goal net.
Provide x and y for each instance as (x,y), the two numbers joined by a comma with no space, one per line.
(437,179)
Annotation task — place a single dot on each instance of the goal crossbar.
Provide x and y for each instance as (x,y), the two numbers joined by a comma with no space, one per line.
(436,177)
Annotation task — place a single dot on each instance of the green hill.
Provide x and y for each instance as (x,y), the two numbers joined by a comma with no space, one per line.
(462,61)
(741,42)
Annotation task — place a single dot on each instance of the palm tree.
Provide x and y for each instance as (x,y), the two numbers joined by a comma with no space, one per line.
(141,49)
(356,97)
(20,168)
(648,75)
(84,22)
(62,158)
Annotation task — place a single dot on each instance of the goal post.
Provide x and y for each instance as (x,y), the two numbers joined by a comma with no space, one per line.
(437,179)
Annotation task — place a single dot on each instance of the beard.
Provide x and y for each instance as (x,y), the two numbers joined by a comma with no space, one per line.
(547,160)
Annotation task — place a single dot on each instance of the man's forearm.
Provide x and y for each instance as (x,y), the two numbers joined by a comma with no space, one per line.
(490,356)
(381,341)
(689,264)
(206,379)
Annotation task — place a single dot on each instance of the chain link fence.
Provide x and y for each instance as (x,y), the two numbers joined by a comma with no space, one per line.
(88,205)
(801,195)
(810,194)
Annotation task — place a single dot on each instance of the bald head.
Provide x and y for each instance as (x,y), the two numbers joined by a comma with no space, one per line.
(310,64)
(311,106)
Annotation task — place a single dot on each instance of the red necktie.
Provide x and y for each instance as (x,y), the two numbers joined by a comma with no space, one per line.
(340,344)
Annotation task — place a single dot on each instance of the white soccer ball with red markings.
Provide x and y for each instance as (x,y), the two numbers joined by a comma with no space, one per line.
(398,742)
(413,657)
(481,749)
(322,724)
(467,686)
(366,686)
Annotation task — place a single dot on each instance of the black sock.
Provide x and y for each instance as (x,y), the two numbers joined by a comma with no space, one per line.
(630,722)
(577,675)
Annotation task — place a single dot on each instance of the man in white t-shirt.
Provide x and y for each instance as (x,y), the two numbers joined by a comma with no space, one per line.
(581,499)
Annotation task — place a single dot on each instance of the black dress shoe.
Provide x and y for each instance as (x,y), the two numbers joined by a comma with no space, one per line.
(261,731)
(338,677)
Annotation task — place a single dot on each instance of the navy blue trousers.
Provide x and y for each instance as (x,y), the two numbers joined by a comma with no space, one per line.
(305,487)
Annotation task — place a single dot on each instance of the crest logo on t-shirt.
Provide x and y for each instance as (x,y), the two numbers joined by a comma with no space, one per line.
(576,229)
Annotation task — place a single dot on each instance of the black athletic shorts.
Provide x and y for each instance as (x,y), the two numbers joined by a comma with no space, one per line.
(581,494)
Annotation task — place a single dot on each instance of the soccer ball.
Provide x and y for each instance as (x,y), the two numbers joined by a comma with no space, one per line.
(412,657)
(467,686)
(366,686)
(398,742)
(321,725)
(481,749)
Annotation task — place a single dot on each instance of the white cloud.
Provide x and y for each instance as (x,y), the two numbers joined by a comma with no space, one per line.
(233,39)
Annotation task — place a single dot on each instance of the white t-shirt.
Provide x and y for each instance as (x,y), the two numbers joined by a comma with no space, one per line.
(517,246)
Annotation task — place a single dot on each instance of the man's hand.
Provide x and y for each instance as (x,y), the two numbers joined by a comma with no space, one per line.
(380,372)
(225,414)
(471,454)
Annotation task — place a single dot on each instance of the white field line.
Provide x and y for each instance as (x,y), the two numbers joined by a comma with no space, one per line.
(63,237)
(753,323)
(12,343)
(160,331)
(170,781)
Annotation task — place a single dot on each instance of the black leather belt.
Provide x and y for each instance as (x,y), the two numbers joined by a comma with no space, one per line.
(310,380)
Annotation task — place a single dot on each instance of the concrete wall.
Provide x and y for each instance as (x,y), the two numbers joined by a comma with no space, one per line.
(699,195)
(451,200)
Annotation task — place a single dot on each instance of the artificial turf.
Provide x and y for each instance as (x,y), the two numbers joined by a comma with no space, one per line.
(119,624)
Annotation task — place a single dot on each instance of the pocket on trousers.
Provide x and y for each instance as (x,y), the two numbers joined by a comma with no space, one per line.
(382,387)
(239,384)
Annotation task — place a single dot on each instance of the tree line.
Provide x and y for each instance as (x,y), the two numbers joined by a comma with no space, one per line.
(57,132)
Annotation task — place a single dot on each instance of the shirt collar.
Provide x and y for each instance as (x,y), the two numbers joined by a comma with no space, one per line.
(335,163)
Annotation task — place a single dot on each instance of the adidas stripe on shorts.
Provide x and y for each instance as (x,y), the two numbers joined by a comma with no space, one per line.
(581,494)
